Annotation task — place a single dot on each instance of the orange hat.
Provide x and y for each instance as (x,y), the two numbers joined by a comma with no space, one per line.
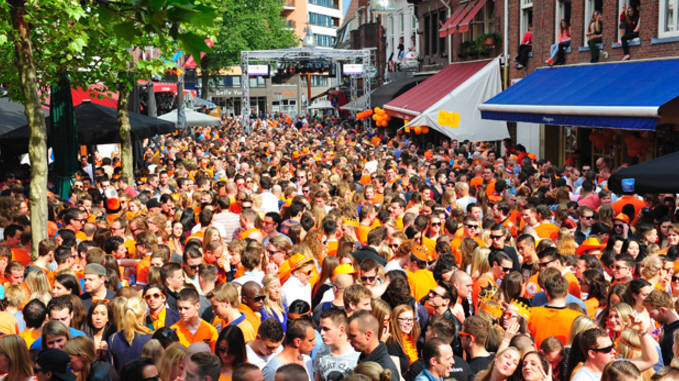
(622,217)
(295,155)
(423,253)
(532,156)
(519,308)
(351,222)
(589,244)
(298,260)
(343,269)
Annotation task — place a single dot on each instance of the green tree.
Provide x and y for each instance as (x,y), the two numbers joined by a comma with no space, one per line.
(246,25)
(91,40)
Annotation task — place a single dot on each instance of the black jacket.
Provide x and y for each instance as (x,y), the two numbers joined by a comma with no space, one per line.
(368,252)
(380,355)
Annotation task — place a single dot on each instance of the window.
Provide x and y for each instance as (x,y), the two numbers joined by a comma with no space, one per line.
(434,33)
(483,21)
(324,3)
(287,106)
(628,3)
(442,40)
(414,22)
(427,32)
(669,25)
(526,16)
(590,7)
(257,82)
(316,81)
(320,20)
(324,40)
(232,80)
(402,23)
(563,12)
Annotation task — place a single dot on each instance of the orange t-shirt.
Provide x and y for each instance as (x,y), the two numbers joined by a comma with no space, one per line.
(592,305)
(205,333)
(455,247)
(573,284)
(21,255)
(545,230)
(250,316)
(421,282)
(143,267)
(546,321)
(532,286)
(362,233)
(29,336)
(482,282)
(8,324)
(249,333)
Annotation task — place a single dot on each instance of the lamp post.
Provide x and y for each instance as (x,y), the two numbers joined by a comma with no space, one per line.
(309,42)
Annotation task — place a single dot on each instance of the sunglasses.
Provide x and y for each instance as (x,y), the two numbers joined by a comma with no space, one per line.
(472,226)
(259,298)
(619,267)
(507,269)
(433,294)
(435,224)
(268,222)
(368,278)
(619,226)
(149,296)
(493,237)
(307,273)
(544,264)
(587,218)
(221,349)
(394,246)
(154,378)
(195,267)
(605,349)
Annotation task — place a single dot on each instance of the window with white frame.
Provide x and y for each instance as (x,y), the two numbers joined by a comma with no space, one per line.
(484,21)
(402,23)
(668,18)
(563,12)
(526,16)
(624,4)
(590,7)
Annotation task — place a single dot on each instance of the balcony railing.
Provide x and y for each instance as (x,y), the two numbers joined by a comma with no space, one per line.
(288,5)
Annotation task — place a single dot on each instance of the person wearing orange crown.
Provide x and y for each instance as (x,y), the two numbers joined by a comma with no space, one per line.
(420,279)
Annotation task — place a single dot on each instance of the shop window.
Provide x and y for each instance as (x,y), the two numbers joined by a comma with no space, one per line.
(590,7)
(442,40)
(316,81)
(433,35)
(427,32)
(668,18)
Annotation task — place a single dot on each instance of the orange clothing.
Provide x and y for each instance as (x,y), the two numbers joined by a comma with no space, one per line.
(198,235)
(545,230)
(573,284)
(592,305)
(21,255)
(29,336)
(421,282)
(249,333)
(80,236)
(8,324)
(548,321)
(475,182)
(624,200)
(131,247)
(246,233)
(52,229)
(362,234)
(532,286)
(205,333)
(429,244)
(410,348)
(455,247)
(250,316)
(143,267)
(332,247)
(482,282)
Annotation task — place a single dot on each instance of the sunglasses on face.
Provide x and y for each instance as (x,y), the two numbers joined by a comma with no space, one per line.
(149,296)
(496,237)
(544,264)
(587,217)
(675,279)
(195,267)
(307,273)
(259,298)
(393,246)
(472,226)
(507,269)
(435,224)
(368,278)
(619,267)
(604,349)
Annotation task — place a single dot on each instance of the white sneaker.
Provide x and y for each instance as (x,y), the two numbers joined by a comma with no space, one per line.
(605,53)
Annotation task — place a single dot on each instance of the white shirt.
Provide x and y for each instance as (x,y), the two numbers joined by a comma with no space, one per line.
(254,276)
(259,361)
(293,290)
(269,202)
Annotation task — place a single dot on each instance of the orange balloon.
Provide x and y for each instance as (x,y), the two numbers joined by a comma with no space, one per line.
(418,130)
(425,129)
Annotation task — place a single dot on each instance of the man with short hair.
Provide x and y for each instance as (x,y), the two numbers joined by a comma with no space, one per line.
(554,319)
(585,222)
(438,358)
(357,298)
(191,328)
(247,223)
(420,279)
(500,266)
(202,366)
(173,280)
(336,357)
(159,315)
(224,301)
(95,286)
(375,239)
(340,283)
(192,260)
(444,329)
(35,316)
(267,343)
(666,373)
(363,334)
(46,249)
(247,372)
(464,285)
(61,309)
(498,241)
(623,268)
(300,339)
(660,307)
(551,257)
(251,259)
(369,272)
(253,296)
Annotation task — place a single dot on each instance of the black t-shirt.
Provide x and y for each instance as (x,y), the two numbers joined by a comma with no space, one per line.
(478,364)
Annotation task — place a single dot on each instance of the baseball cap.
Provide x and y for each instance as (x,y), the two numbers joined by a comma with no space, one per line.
(152,203)
(297,261)
(343,269)
(55,361)
(96,269)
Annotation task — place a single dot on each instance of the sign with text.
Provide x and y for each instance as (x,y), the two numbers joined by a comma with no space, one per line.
(351,69)
(258,70)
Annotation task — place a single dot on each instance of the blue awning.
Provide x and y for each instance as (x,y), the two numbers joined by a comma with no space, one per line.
(623,95)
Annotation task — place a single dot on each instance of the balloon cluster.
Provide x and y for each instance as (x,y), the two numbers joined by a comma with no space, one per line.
(636,146)
(601,140)
(381,118)
(418,129)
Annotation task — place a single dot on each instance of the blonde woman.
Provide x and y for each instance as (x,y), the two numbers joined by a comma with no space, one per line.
(84,360)
(629,347)
(618,319)
(170,364)
(466,249)
(404,332)
(15,297)
(479,264)
(273,303)
(37,281)
(15,361)
(126,345)
(118,308)
(382,312)
(502,367)
(651,268)
(373,371)
(318,212)
(565,242)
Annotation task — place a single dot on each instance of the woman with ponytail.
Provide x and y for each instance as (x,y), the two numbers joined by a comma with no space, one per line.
(126,345)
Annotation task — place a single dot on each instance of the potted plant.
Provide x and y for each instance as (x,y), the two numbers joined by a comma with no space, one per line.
(463,49)
(490,40)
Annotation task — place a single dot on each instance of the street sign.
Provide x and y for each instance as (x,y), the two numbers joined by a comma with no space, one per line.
(372,71)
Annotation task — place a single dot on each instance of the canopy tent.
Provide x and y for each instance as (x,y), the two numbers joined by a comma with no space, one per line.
(655,176)
(593,96)
(385,93)
(321,105)
(455,91)
(199,102)
(96,124)
(13,116)
(193,118)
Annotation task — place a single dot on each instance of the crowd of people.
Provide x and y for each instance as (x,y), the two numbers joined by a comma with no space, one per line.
(327,253)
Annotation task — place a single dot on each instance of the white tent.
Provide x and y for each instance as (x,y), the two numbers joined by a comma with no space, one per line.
(321,105)
(193,119)
(357,105)
(465,100)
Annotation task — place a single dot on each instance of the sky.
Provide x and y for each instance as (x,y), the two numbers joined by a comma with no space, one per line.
(345,6)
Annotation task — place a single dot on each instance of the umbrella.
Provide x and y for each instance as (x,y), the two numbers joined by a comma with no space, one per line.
(655,176)
(193,119)
(64,134)
(99,125)
(199,102)
(13,116)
